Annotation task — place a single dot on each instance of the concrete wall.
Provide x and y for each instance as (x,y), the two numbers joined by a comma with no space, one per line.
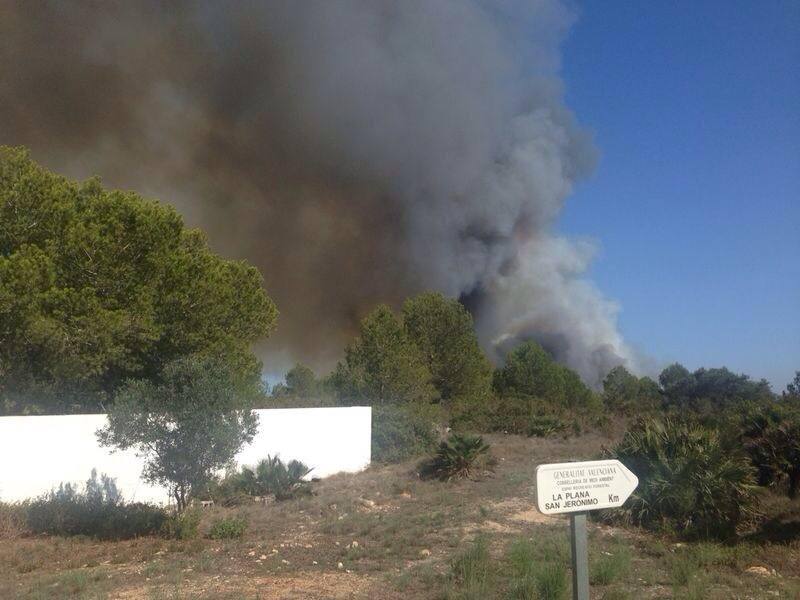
(37,453)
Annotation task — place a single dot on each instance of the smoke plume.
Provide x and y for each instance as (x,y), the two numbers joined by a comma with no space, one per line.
(356,151)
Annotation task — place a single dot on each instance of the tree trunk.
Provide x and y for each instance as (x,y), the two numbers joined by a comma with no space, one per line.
(794,482)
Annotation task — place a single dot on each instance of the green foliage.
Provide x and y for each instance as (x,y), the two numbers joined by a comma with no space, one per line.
(99,286)
(792,393)
(382,365)
(270,477)
(182,526)
(691,479)
(232,528)
(534,395)
(302,387)
(551,581)
(188,426)
(626,394)
(544,425)
(401,432)
(443,331)
(531,372)
(707,391)
(98,511)
(771,436)
(609,567)
(470,572)
(458,457)
(538,567)
(283,480)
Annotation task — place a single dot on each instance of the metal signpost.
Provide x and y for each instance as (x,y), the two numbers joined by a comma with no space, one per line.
(578,487)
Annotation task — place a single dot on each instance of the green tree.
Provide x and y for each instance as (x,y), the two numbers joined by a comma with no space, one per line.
(530,371)
(186,427)
(443,331)
(301,382)
(676,382)
(99,286)
(792,392)
(625,393)
(708,390)
(382,365)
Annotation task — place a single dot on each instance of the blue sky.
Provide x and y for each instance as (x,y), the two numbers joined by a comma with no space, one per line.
(695,108)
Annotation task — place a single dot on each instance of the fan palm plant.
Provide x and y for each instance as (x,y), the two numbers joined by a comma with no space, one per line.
(456,458)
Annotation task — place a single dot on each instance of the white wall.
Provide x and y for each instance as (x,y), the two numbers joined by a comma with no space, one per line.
(38,453)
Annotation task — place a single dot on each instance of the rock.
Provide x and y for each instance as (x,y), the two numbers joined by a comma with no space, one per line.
(366,503)
(340,566)
(354,544)
(405,495)
(424,552)
(313,562)
(251,553)
(760,571)
(285,562)
(262,557)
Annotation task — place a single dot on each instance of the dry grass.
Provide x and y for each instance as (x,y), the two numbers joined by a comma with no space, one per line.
(396,536)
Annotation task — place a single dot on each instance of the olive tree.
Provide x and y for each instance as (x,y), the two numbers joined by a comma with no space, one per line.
(187,426)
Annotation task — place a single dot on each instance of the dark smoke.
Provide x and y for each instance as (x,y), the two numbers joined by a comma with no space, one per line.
(356,151)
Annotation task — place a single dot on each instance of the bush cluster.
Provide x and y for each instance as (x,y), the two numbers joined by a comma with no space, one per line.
(459,457)
(692,480)
(182,526)
(228,529)
(13,519)
(98,511)
(270,477)
(401,432)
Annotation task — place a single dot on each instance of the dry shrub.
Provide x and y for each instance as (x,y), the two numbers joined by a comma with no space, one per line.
(13,520)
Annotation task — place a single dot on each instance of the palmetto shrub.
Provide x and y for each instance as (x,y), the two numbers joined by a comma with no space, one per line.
(270,477)
(283,480)
(691,480)
(459,457)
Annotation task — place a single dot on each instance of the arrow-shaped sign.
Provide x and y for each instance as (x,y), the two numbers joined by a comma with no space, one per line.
(581,486)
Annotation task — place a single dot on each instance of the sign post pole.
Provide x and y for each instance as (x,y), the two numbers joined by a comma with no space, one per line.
(578,487)
(580,556)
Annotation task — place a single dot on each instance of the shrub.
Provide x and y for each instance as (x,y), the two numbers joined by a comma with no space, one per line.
(458,457)
(771,435)
(610,566)
(227,529)
(470,570)
(13,520)
(545,425)
(551,581)
(283,480)
(690,480)
(182,526)
(533,417)
(226,491)
(98,511)
(270,476)
(401,432)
